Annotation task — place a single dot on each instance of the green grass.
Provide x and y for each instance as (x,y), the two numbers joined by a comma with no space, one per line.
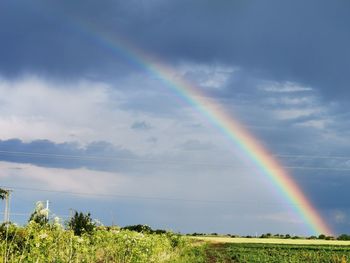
(281,253)
(241,240)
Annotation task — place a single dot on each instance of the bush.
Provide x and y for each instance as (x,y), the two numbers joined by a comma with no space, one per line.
(81,223)
(40,214)
(343,237)
(144,229)
(48,243)
(139,228)
(267,235)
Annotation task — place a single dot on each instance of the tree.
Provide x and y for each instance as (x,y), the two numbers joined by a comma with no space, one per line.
(139,228)
(40,214)
(343,237)
(322,236)
(81,223)
(3,194)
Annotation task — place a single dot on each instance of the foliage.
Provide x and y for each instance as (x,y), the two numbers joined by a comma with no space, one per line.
(3,193)
(267,235)
(260,253)
(343,237)
(139,228)
(144,229)
(40,214)
(52,243)
(81,223)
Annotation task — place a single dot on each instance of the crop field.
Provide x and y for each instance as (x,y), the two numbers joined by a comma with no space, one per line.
(241,240)
(278,253)
(226,249)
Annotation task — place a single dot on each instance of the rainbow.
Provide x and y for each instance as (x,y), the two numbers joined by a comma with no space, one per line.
(233,130)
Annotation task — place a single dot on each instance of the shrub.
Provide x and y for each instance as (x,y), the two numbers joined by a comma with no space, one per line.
(81,223)
(343,237)
(40,214)
(139,228)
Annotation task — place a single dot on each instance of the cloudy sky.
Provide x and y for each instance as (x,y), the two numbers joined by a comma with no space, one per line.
(85,125)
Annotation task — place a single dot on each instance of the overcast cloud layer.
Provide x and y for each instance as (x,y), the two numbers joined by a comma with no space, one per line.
(79,115)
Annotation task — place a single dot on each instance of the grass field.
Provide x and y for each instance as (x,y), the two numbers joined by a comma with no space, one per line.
(242,240)
(279,253)
(258,250)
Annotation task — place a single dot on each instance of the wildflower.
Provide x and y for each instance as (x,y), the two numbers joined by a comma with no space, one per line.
(39,206)
(56,221)
(44,212)
(43,235)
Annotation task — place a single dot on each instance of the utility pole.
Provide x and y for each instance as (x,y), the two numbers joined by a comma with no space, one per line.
(7,207)
(47,209)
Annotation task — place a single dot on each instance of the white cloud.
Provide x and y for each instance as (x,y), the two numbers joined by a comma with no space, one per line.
(207,76)
(283,87)
(288,114)
(286,101)
(33,108)
(317,124)
(75,180)
(290,101)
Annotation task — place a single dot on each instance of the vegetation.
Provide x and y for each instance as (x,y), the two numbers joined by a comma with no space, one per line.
(40,214)
(343,237)
(84,240)
(260,253)
(290,241)
(52,243)
(81,224)
(3,194)
(144,229)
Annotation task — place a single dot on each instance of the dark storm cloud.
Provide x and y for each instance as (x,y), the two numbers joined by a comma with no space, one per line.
(303,41)
(37,37)
(101,156)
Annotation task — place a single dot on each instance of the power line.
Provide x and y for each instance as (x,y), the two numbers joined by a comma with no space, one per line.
(162,162)
(30,213)
(138,197)
(317,168)
(311,156)
(93,157)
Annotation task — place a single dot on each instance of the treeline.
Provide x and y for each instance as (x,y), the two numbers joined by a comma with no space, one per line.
(280,236)
(144,229)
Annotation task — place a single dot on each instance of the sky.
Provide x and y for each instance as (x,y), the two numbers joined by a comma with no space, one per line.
(88,127)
